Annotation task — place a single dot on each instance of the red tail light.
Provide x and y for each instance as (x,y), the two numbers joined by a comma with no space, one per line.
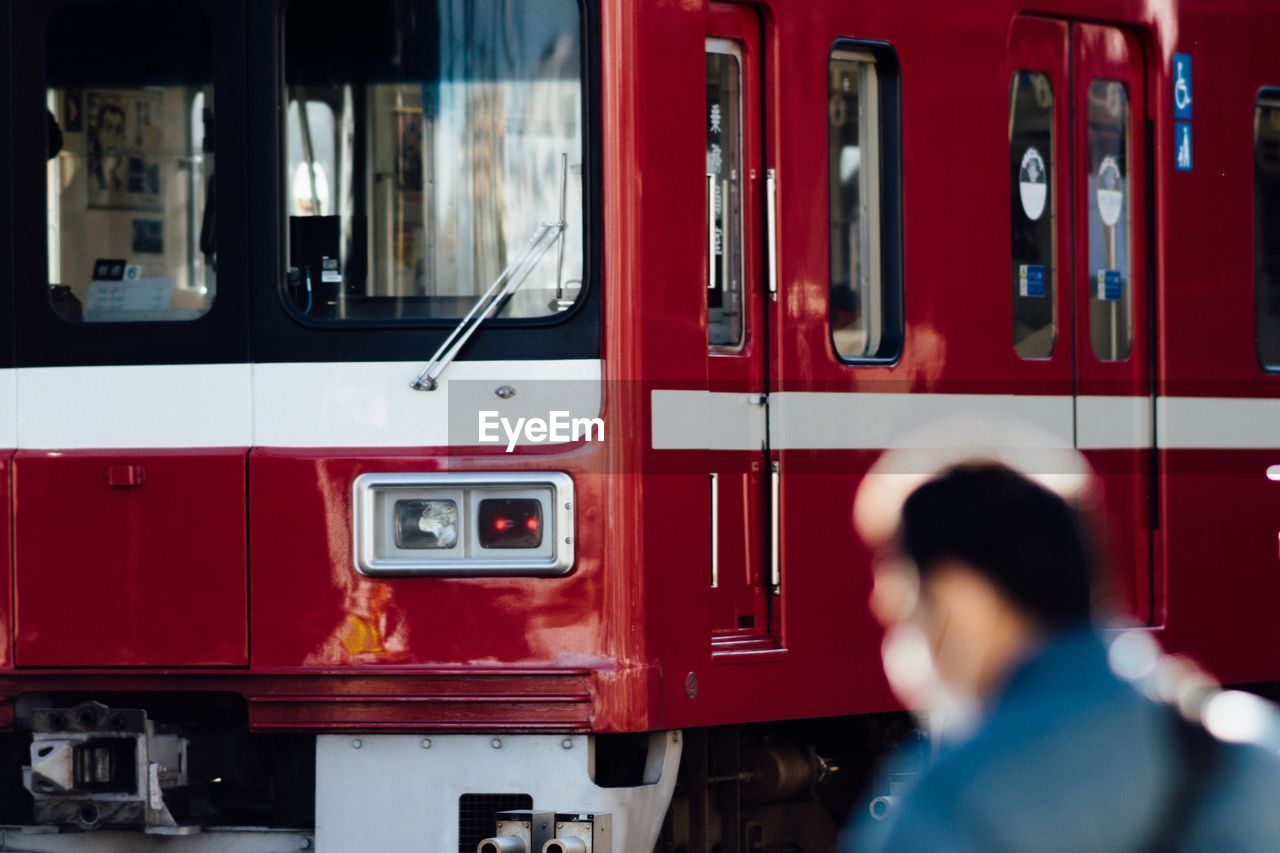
(510,523)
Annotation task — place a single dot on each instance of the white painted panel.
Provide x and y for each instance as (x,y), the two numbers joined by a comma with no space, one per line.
(400,792)
(180,405)
(1189,422)
(861,421)
(1105,423)
(8,409)
(699,420)
(370,404)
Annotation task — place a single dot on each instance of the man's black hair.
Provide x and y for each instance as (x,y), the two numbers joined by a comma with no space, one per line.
(1028,541)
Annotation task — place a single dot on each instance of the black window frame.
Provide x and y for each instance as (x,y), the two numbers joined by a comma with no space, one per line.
(281,335)
(889,81)
(42,337)
(6,201)
(1264,94)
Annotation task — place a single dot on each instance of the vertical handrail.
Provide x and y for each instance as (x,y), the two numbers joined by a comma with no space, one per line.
(775,544)
(771,226)
(715,530)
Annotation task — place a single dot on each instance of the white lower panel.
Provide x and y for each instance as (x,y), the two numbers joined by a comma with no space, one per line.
(389,793)
(869,421)
(701,420)
(801,420)
(175,405)
(1187,422)
(1111,423)
(8,408)
(371,404)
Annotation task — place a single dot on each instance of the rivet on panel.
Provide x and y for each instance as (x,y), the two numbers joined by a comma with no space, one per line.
(356,743)
(426,743)
(496,743)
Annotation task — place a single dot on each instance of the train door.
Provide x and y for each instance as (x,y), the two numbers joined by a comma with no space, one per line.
(1114,405)
(1078,162)
(736,367)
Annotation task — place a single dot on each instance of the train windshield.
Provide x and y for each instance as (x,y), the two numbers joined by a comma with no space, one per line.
(426,142)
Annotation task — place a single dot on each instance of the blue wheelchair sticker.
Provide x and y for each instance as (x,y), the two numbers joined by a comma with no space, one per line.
(1182,86)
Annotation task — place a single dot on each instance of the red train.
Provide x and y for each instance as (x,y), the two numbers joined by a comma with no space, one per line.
(420,410)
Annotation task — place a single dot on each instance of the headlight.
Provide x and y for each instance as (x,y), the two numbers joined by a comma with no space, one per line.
(463,524)
(426,524)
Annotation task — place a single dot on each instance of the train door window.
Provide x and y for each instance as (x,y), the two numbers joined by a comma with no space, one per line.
(1033,214)
(428,143)
(1266,227)
(865,311)
(1109,198)
(130,167)
(724,195)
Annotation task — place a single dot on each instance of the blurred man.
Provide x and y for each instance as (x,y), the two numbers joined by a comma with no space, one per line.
(986,593)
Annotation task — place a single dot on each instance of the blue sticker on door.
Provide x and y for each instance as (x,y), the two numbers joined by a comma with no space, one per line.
(1182,86)
(1109,285)
(1182,146)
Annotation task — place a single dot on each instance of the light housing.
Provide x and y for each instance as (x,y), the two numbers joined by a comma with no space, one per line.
(463,524)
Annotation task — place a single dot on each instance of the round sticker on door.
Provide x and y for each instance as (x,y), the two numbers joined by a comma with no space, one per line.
(1033,184)
(1110,191)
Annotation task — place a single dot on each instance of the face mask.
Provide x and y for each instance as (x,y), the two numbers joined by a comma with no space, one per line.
(948,715)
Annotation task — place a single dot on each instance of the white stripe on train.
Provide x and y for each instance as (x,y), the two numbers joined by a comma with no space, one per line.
(371,405)
(278,405)
(873,421)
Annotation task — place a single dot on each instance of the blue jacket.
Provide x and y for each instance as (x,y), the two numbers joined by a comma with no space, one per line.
(1072,758)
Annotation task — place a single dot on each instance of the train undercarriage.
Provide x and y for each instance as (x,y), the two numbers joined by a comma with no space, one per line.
(183,772)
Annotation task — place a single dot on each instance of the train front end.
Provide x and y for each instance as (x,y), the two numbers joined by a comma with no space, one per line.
(312,476)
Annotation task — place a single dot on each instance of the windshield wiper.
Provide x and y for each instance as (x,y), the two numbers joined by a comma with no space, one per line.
(487,305)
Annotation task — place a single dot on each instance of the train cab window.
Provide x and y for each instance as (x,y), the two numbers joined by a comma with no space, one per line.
(1033,212)
(130,216)
(1110,290)
(1266,226)
(865,315)
(427,143)
(724,195)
